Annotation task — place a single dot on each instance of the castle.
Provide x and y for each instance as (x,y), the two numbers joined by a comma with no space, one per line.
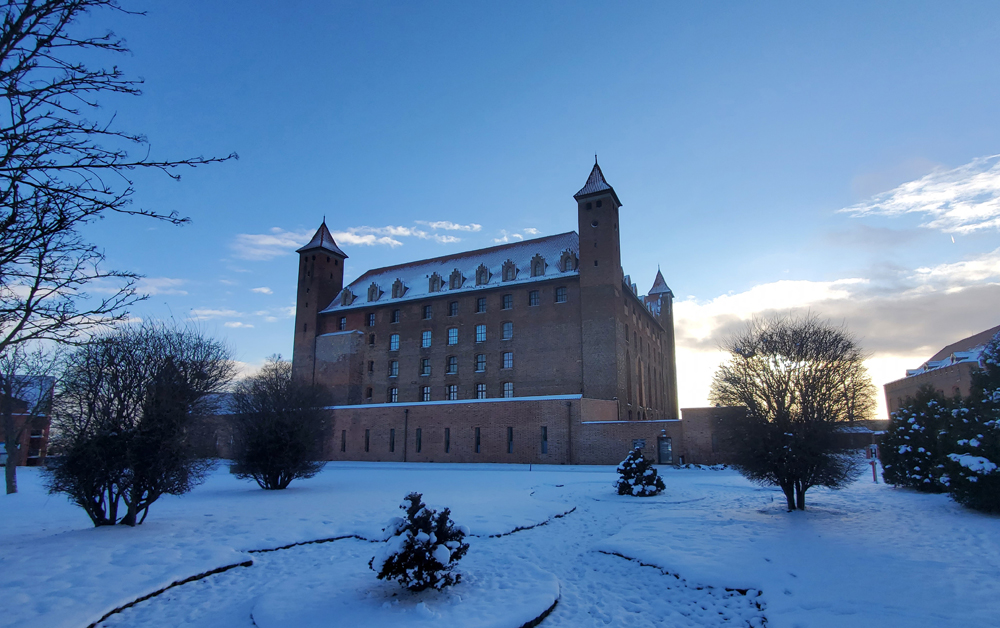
(536,351)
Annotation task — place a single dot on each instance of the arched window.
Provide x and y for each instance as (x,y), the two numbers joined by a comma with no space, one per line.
(398,289)
(567,261)
(374,292)
(346,297)
(537,266)
(434,283)
(482,275)
(509,271)
(456,280)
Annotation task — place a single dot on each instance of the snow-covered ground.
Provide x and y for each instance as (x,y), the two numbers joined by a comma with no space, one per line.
(868,555)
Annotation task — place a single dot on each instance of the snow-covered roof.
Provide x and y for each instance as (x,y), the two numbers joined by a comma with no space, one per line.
(415,277)
(595,184)
(323,239)
(32,388)
(659,284)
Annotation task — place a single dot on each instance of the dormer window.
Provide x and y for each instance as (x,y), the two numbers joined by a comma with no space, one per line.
(346,297)
(568,261)
(509,271)
(374,292)
(482,275)
(537,266)
(398,289)
(456,280)
(434,283)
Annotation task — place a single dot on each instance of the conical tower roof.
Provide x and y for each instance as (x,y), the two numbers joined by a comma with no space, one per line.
(660,285)
(596,184)
(323,240)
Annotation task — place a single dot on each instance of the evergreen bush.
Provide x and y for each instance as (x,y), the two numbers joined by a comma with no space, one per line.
(913,448)
(422,548)
(638,477)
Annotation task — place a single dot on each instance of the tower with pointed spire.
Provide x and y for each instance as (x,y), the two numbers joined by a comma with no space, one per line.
(660,302)
(321,278)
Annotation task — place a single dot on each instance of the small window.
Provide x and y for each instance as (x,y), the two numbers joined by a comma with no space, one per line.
(395,316)
(453,336)
(508,301)
(419,439)
(368,395)
(480,333)
(480,391)
(393,368)
(626,333)
(480,305)
(508,390)
(478,448)
(428,312)
(452,365)
(367,438)
(447,440)
(508,330)
(371,320)
(425,393)
(393,395)
(560,295)
(533,297)
(371,339)
(371,366)
(480,362)
(509,271)
(343,440)
(342,325)
(425,339)
(510,440)
(425,367)
(508,359)
(545,440)
(453,392)
(393,342)
(392,440)
(453,308)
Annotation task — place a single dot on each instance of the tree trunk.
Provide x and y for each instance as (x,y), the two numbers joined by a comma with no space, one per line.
(10,472)
(11,438)
(789,490)
(800,495)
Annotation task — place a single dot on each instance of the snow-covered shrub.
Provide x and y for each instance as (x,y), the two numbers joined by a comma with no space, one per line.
(421,549)
(913,447)
(638,477)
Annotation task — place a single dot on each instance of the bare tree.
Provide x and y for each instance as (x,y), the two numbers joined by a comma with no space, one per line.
(26,390)
(278,427)
(800,380)
(126,401)
(60,169)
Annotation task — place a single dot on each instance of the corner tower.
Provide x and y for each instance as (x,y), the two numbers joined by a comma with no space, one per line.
(660,302)
(321,278)
(600,287)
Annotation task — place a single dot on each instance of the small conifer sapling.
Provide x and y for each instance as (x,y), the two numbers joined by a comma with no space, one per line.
(638,477)
(421,549)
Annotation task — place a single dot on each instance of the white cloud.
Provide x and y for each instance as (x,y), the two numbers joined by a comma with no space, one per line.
(270,319)
(238,325)
(265,246)
(964,273)
(446,239)
(204,314)
(961,200)
(450,226)
(262,290)
(161,285)
(530,231)
(506,236)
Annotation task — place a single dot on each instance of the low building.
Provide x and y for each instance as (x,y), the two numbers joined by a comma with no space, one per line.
(949,371)
(29,403)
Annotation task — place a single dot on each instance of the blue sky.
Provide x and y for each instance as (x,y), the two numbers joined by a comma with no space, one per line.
(735,134)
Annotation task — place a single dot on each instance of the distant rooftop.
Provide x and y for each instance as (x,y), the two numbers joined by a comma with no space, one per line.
(965,350)
(596,184)
(323,239)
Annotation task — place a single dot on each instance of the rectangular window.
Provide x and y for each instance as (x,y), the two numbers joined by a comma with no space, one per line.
(427,312)
(510,440)
(452,364)
(480,333)
(425,339)
(533,297)
(447,440)
(371,320)
(560,295)
(342,325)
(508,301)
(419,439)
(425,366)
(508,389)
(480,305)
(626,334)
(453,308)
(393,395)
(478,449)
(452,392)
(371,339)
(368,394)
(508,330)
(425,393)
(480,391)
(508,359)
(371,366)
(453,336)
(367,439)
(392,440)
(393,368)
(393,342)
(343,440)
(395,316)
(545,440)
(480,362)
